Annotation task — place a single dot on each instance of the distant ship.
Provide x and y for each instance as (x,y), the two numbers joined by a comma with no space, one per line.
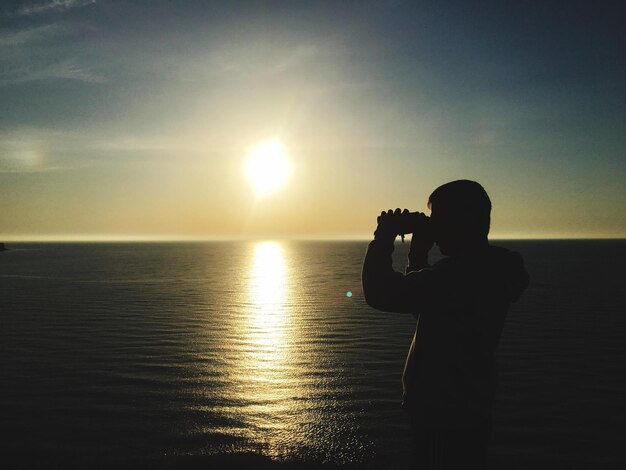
(2,247)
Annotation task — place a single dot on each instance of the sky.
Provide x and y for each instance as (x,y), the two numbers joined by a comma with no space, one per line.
(135,119)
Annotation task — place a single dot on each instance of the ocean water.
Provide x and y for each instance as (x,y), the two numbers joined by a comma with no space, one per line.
(155,351)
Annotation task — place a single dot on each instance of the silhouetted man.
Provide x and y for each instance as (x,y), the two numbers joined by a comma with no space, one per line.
(460,304)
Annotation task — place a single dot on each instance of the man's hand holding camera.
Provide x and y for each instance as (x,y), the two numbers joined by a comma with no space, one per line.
(400,222)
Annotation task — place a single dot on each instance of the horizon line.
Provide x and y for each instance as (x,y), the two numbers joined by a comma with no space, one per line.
(223,238)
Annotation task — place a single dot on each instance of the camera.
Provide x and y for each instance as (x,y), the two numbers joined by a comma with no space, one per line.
(411,222)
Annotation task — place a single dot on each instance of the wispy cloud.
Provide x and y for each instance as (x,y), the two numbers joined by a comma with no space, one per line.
(246,61)
(29,35)
(20,152)
(36,150)
(71,70)
(65,70)
(257,62)
(29,150)
(45,52)
(53,5)
(133,144)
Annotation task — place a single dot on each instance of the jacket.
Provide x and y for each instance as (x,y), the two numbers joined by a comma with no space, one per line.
(460,303)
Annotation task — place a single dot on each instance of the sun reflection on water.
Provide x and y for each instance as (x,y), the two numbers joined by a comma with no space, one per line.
(267,292)
(268,388)
(281,388)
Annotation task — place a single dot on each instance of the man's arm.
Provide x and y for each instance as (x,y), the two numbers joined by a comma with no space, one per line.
(380,281)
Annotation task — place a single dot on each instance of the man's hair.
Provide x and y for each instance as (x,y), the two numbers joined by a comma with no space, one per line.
(466,200)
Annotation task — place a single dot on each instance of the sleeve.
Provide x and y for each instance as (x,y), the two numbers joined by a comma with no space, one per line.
(391,291)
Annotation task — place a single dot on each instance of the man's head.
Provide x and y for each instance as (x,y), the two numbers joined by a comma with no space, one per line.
(461,214)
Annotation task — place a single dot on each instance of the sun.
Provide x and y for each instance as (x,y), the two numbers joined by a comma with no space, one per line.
(268,167)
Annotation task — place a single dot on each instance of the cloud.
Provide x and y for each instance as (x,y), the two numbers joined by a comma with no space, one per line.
(20,152)
(53,5)
(22,161)
(133,144)
(64,70)
(246,61)
(30,149)
(45,52)
(70,70)
(30,35)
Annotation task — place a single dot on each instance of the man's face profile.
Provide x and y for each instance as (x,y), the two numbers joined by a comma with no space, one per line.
(440,230)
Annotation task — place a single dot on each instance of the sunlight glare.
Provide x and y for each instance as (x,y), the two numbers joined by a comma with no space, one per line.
(266,356)
(268,167)
(268,293)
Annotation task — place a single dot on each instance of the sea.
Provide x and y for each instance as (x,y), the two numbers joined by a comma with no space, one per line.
(180,354)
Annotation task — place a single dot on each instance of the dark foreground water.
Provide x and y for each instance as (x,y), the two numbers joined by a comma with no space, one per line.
(149,353)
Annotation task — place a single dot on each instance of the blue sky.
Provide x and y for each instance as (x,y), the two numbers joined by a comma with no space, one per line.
(134,118)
